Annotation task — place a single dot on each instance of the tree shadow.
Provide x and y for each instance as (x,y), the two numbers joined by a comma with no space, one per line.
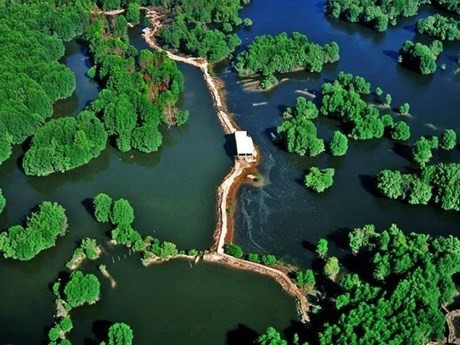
(101,329)
(242,335)
(339,237)
(89,207)
(392,54)
(452,58)
(410,28)
(310,246)
(320,6)
(369,183)
(403,150)
(281,109)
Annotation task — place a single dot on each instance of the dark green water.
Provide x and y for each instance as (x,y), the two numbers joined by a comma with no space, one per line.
(173,193)
(285,218)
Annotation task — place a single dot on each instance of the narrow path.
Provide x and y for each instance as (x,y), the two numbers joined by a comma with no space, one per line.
(217,253)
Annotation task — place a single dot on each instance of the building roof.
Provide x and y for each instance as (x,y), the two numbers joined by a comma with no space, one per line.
(244,143)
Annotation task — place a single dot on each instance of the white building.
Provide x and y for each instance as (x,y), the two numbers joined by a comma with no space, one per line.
(244,144)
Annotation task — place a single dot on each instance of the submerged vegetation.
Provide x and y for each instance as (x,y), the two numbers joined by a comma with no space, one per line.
(268,55)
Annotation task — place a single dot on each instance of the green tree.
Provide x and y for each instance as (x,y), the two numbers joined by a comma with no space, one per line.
(378,91)
(53,333)
(448,141)
(122,213)
(322,248)
(81,289)
(102,204)
(319,180)
(271,337)
(133,13)
(388,99)
(300,136)
(331,267)
(89,247)
(66,324)
(404,109)
(2,201)
(390,183)
(421,151)
(120,334)
(306,279)
(254,257)
(339,144)
(42,229)
(400,131)
(234,250)
(146,139)
(269,259)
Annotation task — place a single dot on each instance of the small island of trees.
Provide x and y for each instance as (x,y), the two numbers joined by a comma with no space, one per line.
(42,229)
(420,57)
(282,53)
(437,183)
(318,180)
(439,27)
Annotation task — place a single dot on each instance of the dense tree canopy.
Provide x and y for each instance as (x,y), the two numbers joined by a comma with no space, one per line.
(31,35)
(41,231)
(203,27)
(283,53)
(420,57)
(378,14)
(102,204)
(338,145)
(400,131)
(65,144)
(297,132)
(437,183)
(81,289)
(271,337)
(401,305)
(2,201)
(120,334)
(439,27)
(448,140)
(319,180)
(344,99)
(141,88)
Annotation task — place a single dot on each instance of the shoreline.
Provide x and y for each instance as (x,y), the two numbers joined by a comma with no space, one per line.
(226,191)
